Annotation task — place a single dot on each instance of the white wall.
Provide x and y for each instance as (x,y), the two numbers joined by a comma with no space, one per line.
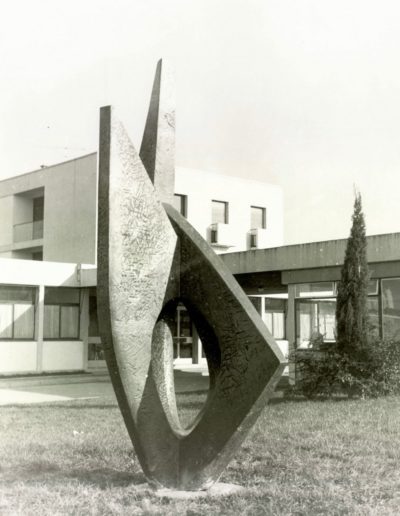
(17,356)
(203,187)
(29,272)
(23,209)
(70,208)
(63,355)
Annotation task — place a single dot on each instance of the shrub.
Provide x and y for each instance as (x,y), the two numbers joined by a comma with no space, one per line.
(327,371)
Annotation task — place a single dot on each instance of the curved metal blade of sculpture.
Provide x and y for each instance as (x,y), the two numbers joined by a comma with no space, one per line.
(149,259)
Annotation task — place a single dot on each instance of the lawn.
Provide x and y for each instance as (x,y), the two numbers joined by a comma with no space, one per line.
(302,458)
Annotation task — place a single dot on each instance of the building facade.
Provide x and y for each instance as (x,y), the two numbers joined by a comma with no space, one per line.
(48,302)
(50,214)
(294,287)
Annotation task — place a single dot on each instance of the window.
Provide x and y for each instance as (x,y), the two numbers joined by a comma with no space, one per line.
(219,212)
(180,204)
(318,289)
(182,334)
(272,312)
(61,313)
(391,308)
(258,217)
(38,215)
(315,318)
(17,312)
(38,208)
(316,310)
(274,317)
(373,313)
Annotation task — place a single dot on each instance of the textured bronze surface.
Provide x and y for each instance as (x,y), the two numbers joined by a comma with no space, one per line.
(149,260)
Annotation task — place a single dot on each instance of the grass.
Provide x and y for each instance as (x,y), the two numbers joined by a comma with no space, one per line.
(302,458)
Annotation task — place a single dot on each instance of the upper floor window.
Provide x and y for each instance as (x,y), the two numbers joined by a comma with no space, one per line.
(17,312)
(180,204)
(219,212)
(38,209)
(61,313)
(258,217)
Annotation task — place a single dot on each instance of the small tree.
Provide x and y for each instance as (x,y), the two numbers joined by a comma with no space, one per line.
(360,363)
(351,307)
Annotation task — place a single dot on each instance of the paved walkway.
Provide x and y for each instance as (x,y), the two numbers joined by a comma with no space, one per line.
(66,388)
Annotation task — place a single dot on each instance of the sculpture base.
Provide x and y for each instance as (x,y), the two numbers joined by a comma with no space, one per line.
(215,491)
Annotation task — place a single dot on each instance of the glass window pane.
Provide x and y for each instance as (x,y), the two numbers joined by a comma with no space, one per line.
(257,217)
(372,287)
(279,325)
(10,294)
(93,318)
(326,319)
(318,289)
(38,208)
(185,324)
(267,318)
(219,212)
(51,324)
(175,342)
(6,317)
(373,312)
(256,302)
(391,307)
(275,304)
(304,323)
(180,203)
(60,295)
(315,319)
(185,348)
(69,322)
(24,321)
(95,351)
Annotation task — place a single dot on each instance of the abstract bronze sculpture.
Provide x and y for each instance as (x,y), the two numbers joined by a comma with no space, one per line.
(149,259)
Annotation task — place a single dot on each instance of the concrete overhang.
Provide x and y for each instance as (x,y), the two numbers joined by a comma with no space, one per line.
(381,249)
(51,274)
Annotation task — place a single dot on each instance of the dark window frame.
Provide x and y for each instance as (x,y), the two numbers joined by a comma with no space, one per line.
(183,204)
(226,211)
(12,304)
(61,305)
(263,217)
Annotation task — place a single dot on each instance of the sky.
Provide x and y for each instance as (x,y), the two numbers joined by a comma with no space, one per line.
(300,93)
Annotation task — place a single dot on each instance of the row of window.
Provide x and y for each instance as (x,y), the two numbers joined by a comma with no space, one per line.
(17,313)
(316,307)
(220,212)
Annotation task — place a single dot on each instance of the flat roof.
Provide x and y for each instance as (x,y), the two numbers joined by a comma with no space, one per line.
(329,253)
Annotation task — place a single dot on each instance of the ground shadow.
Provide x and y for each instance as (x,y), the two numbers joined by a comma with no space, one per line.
(38,473)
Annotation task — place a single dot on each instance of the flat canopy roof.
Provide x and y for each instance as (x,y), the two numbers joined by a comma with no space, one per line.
(330,253)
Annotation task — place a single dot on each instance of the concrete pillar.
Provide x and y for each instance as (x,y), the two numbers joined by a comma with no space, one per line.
(84,325)
(291,330)
(39,323)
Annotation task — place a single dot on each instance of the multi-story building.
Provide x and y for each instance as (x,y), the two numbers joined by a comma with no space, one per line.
(50,214)
(48,311)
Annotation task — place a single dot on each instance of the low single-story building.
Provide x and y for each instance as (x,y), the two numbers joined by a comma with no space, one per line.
(48,310)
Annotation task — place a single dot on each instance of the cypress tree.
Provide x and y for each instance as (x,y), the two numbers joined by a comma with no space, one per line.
(351,307)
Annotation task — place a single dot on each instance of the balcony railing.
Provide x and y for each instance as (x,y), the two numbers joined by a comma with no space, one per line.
(28,231)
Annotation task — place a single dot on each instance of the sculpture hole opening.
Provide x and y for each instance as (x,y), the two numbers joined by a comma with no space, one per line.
(191,375)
